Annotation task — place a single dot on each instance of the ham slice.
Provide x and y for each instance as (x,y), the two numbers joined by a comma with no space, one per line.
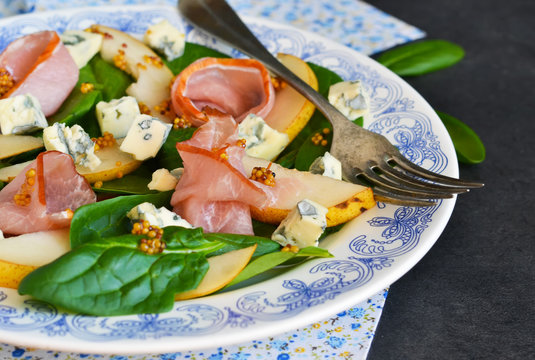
(217,216)
(215,192)
(40,65)
(237,87)
(57,187)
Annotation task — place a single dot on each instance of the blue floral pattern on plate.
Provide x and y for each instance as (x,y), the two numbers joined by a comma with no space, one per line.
(371,252)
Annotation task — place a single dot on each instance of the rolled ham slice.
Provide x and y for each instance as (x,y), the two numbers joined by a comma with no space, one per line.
(57,188)
(40,65)
(236,87)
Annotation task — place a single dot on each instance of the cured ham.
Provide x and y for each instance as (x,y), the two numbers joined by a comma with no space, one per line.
(44,195)
(40,65)
(236,87)
(215,192)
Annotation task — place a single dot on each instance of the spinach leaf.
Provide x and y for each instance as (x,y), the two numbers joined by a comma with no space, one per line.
(112,80)
(108,218)
(111,276)
(168,156)
(269,261)
(421,57)
(468,146)
(192,52)
(235,242)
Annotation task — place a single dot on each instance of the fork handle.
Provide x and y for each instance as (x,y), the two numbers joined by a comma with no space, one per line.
(218,19)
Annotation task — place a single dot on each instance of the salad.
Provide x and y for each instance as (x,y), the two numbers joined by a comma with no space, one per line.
(189,144)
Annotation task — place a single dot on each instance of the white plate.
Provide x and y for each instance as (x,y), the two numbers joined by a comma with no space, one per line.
(371,252)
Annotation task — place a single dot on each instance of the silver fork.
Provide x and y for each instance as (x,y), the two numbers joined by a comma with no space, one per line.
(366,157)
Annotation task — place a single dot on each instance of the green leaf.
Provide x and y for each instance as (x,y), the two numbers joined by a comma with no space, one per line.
(421,57)
(236,241)
(111,276)
(108,217)
(468,146)
(112,80)
(168,156)
(325,77)
(269,261)
(192,52)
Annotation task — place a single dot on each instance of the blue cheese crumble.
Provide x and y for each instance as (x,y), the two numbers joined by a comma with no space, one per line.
(303,226)
(82,45)
(145,137)
(350,99)
(73,141)
(117,116)
(327,165)
(160,217)
(21,114)
(261,141)
(166,39)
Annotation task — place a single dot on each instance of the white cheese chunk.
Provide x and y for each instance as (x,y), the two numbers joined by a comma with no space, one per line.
(117,116)
(145,137)
(262,141)
(303,226)
(160,217)
(166,39)
(73,141)
(327,165)
(82,45)
(21,114)
(349,98)
(162,180)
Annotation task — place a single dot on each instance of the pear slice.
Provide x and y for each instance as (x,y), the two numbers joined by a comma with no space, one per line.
(152,75)
(8,173)
(114,163)
(11,145)
(20,255)
(343,199)
(223,269)
(291,111)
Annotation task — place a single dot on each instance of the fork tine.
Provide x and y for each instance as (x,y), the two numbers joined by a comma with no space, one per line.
(400,176)
(396,199)
(412,168)
(399,189)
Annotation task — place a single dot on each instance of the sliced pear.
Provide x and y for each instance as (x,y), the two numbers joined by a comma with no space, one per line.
(8,173)
(152,75)
(344,200)
(20,255)
(11,145)
(114,163)
(292,111)
(223,269)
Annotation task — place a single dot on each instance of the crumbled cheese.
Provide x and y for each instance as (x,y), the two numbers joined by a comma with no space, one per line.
(350,99)
(166,39)
(303,226)
(73,141)
(82,45)
(160,217)
(145,137)
(21,114)
(117,116)
(327,165)
(262,141)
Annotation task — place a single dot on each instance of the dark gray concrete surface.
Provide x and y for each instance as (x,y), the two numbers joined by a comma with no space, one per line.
(472,295)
